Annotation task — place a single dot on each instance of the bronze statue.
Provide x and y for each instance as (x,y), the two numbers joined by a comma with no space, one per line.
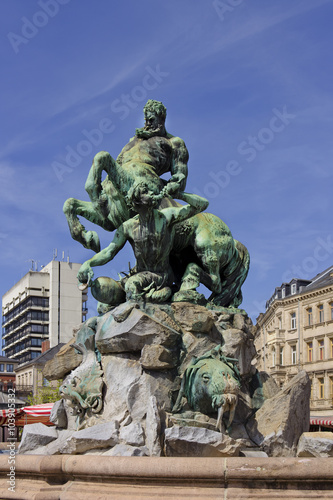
(196,249)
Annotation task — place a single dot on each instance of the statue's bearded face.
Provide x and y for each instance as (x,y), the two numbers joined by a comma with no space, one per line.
(154,125)
(152,121)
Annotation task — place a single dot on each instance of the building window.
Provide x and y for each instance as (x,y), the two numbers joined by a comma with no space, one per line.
(321,388)
(331,388)
(10,368)
(310,317)
(283,293)
(331,349)
(2,367)
(281,356)
(293,320)
(309,351)
(321,313)
(273,356)
(331,306)
(293,289)
(293,355)
(321,349)
(280,322)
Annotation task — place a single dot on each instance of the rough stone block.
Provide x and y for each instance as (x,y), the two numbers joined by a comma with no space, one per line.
(315,444)
(98,436)
(199,442)
(66,360)
(36,435)
(133,334)
(153,428)
(58,415)
(132,434)
(193,318)
(279,423)
(157,357)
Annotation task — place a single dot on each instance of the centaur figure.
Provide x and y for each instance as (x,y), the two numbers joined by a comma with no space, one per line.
(151,153)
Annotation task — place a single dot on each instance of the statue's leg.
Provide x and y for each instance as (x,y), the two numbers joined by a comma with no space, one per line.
(147,286)
(233,276)
(211,263)
(72,208)
(190,281)
(107,197)
(102,161)
(191,278)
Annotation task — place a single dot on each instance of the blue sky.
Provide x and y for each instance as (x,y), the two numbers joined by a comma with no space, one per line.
(247,85)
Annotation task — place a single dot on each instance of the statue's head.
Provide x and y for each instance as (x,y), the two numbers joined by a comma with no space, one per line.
(156,108)
(142,195)
(155,114)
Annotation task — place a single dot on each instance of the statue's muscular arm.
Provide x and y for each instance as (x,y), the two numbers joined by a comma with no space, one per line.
(195,205)
(180,158)
(85,273)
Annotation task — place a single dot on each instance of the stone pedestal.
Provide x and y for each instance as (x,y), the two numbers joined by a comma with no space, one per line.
(69,477)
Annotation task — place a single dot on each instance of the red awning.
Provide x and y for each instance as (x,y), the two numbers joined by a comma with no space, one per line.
(28,415)
(325,422)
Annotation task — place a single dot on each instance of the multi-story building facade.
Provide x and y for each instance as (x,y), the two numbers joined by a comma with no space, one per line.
(296,333)
(29,376)
(7,373)
(43,305)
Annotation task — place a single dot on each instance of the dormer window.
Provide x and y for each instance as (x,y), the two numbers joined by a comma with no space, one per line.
(293,289)
(283,293)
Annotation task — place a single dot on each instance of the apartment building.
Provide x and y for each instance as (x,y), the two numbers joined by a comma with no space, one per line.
(296,333)
(43,305)
(7,374)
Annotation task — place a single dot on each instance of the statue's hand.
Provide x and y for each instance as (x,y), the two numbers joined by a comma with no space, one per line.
(85,274)
(171,189)
(179,178)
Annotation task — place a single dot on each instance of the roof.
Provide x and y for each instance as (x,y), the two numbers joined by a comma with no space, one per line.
(4,359)
(325,278)
(321,280)
(44,357)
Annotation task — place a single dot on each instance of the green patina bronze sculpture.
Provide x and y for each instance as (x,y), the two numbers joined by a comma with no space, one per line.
(211,383)
(83,387)
(183,251)
(176,247)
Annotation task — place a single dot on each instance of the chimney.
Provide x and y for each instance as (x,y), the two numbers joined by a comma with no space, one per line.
(45,346)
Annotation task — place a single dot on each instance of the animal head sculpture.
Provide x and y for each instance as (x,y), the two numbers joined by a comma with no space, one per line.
(211,384)
(83,386)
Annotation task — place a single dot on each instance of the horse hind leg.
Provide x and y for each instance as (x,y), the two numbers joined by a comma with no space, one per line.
(72,208)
